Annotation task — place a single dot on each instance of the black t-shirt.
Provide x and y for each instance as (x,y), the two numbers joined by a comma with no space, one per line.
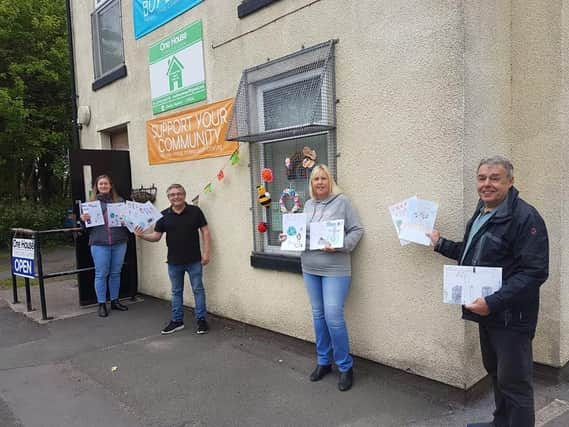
(182,236)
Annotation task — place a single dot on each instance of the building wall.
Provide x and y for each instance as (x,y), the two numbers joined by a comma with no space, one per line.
(540,149)
(487,116)
(564,190)
(426,88)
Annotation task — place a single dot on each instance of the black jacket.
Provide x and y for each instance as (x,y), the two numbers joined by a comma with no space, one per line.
(514,238)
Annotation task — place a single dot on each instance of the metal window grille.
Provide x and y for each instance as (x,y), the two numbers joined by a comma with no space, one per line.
(272,154)
(281,107)
(286,97)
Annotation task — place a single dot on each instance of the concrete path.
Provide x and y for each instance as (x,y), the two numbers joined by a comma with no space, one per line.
(120,372)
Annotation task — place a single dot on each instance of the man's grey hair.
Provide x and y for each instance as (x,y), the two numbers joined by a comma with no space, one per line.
(500,161)
(175,186)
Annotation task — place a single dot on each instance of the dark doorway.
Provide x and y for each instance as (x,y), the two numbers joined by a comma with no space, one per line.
(117,165)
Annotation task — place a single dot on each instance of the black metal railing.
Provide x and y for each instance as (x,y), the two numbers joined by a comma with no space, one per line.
(39,275)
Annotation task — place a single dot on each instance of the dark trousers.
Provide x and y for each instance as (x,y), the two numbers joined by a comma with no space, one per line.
(508,359)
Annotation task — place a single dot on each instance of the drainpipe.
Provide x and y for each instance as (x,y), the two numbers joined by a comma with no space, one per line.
(75,129)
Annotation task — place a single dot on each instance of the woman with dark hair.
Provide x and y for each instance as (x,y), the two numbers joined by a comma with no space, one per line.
(108,247)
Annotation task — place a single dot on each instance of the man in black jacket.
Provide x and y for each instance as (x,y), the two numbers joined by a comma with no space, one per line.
(504,232)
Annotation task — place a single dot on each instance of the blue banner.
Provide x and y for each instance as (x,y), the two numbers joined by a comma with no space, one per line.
(151,14)
(23,267)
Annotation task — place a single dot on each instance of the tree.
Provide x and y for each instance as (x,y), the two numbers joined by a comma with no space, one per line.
(34,99)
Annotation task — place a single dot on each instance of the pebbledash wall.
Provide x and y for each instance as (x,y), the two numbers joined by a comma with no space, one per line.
(426,88)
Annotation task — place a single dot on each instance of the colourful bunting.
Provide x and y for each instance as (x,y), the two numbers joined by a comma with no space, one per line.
(234,159)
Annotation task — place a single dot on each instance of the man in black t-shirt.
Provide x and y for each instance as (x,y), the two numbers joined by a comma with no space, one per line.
(182,224)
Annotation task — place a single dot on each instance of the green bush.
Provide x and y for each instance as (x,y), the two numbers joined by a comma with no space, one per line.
(33,216)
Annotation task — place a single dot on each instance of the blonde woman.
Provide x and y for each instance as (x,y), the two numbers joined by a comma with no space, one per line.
(327,276)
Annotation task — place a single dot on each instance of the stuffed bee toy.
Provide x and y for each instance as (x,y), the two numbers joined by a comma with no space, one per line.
(264,197)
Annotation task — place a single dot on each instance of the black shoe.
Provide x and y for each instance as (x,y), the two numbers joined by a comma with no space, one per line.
(202,326)
(480,425)
(172,327)
(320,372)
(116,305)
(345,380)
(103,310)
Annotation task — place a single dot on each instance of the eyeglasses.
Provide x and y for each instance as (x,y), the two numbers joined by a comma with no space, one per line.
(176,195)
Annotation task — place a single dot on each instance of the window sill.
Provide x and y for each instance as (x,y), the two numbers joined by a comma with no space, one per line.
(107,79)
(251,6)
(275,262)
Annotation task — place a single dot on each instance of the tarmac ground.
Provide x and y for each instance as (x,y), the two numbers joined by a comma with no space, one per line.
(82,370)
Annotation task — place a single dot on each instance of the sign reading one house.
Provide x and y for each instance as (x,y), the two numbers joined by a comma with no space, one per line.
(151,14)
(177,75)
(23,251)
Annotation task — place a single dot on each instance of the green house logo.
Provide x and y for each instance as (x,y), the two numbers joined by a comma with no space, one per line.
(174,73)
(176,65)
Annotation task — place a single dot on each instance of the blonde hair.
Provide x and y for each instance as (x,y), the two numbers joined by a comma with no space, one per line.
(114,195)
(322,170)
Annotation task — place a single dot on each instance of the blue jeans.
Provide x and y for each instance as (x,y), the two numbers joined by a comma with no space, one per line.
(108,265)
(327,296)
(176,273)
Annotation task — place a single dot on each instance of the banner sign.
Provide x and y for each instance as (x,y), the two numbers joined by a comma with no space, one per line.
(151,14)
(190,135)
(23,251)
(177,74)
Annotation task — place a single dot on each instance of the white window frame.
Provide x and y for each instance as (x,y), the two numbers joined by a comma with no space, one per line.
(99,3)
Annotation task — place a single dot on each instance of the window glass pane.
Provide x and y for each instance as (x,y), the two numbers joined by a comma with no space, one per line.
(110,38)
(295,176)
(291,105)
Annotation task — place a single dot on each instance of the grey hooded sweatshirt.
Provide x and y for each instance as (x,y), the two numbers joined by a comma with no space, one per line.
(338,263)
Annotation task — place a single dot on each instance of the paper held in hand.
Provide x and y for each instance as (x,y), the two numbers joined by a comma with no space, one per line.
(128,214)
(463,284)
(294,226)
(327,233)
(115,214)
(398,213)
(142,215)
(95,212)
(413,219)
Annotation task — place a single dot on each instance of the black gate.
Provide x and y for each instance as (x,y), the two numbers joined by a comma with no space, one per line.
(116,164)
